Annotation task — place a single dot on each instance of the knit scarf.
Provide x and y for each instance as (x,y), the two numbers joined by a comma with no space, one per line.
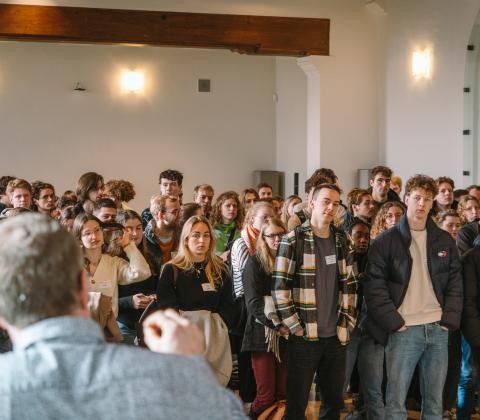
(249,234)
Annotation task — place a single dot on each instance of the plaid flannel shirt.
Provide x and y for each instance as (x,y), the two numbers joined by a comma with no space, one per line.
(293,288)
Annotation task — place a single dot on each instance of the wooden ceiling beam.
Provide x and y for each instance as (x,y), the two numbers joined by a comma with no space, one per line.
(260,35)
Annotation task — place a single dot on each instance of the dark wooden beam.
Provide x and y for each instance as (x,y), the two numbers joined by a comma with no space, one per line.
(245,34)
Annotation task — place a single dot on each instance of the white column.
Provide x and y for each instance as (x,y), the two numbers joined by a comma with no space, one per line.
(313,113)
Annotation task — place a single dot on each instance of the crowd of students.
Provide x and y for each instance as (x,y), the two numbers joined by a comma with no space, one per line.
(366,297)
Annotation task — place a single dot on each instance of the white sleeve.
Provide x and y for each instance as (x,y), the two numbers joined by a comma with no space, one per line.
(239,259)
(135,270)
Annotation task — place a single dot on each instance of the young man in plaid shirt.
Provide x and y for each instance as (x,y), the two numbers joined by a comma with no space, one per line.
(315,294)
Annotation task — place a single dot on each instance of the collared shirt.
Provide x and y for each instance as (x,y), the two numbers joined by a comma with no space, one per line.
(293,285)
(61,368)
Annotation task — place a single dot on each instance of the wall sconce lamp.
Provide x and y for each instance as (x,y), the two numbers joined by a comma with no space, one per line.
(132,81)
(422,64)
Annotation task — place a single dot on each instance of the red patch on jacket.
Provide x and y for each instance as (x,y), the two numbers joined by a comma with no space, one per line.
(442,253)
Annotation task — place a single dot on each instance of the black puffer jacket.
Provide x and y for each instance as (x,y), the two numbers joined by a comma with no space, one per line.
(468,237)
(471,301)
(388,274)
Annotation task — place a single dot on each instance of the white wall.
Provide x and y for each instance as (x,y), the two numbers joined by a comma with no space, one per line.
(348,94)
(349,137)
(424,119)
(371,110)
(50,132)
(291,121)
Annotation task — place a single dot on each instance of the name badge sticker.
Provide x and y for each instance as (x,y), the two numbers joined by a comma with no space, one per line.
(207,287)
(104,284)
(330,259)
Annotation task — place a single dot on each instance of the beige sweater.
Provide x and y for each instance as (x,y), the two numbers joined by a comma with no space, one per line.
(112,271)
(420,305)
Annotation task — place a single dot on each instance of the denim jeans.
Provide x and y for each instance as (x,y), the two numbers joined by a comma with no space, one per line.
(352,356)
(426,345)
(371,357)
(304,357)
(127,333)
(467,383)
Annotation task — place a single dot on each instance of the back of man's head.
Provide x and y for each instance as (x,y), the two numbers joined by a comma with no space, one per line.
(40,270)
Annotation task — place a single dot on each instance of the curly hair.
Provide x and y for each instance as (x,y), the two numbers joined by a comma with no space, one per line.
(379,224)
(120,189)
(38,186)
(171,175)
(424,182)
(462,206)
(216,217)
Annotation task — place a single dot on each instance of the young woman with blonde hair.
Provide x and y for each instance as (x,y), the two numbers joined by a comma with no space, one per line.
(288,206)
(263,330)
(468,209)
(388,216)
(197,283)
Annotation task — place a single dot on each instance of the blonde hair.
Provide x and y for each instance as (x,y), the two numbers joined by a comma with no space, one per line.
(252,211)
(379,223)
(262,249)
(214,268)
(395,179)
(462,204)
(286,205)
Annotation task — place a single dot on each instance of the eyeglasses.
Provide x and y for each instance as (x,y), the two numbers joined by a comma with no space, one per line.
(274,235)
(381,181)
(174,212)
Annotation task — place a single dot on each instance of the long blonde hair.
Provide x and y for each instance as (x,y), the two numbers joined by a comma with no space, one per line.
(285,215)
(262,249)
(214,268)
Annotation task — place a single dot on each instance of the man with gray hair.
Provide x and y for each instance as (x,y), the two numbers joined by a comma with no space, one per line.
(61,366)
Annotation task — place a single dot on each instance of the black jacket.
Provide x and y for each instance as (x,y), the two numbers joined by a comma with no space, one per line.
(471,299)
(388,274)
(257,283)
(391,196)
(190,291)
(468,237)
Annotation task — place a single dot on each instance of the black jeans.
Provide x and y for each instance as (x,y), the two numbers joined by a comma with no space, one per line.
(453,372)
(327,356)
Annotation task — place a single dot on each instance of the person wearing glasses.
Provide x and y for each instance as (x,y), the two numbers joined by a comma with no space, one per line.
(380,178)
(388,216)
(242,249)
(162,231)
(263,331)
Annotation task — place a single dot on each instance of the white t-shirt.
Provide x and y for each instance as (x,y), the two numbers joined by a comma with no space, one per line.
(420,305)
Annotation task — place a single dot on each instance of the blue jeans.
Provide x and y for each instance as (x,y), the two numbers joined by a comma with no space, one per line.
(352,355)
(467,383)
(127,333)
(426,345)
(370,367)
